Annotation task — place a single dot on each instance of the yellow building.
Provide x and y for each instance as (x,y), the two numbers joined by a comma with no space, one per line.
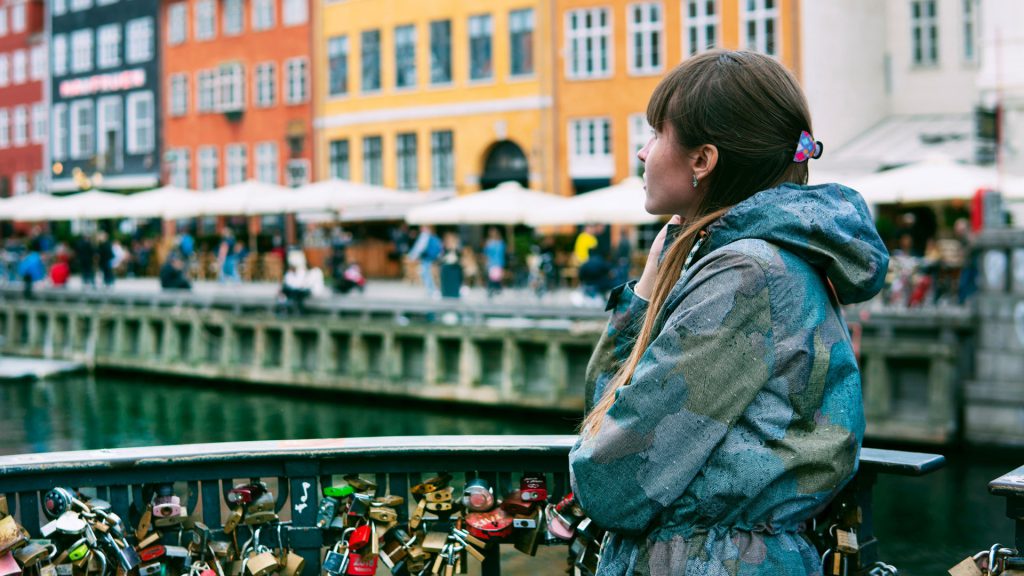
(620,49)
(434,95)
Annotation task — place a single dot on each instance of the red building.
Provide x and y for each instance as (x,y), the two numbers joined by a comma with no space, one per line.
(23,111)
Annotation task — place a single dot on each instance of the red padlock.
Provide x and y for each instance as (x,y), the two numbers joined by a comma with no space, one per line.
(152,553)
(489,525)
(360,537)
(534,487)
(361,564)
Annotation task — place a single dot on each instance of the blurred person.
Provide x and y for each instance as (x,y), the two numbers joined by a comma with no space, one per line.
(173,275)
(300,283)
(585,242)
(227,258)
(60,270)
(85,258)
(494,256)
(426,251)
(967,283)
(451,267)
(31,268)
(340,241)
(105,256)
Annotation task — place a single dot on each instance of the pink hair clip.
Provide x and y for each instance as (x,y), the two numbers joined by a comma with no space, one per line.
(807,148)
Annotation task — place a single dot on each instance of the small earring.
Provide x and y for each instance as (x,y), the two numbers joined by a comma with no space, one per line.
(695,181)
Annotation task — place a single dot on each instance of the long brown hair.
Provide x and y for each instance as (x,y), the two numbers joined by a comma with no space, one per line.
(750,108)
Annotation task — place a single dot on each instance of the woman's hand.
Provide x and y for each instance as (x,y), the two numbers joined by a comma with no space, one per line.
(645,286)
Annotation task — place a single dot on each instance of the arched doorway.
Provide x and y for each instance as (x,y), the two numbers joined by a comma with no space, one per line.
(505,161)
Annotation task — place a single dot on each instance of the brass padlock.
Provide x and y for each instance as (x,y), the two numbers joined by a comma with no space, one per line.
(30,554)
(260,518)
(435,541)
(11,536)
(360,484)
(383,515)
(389,500)
(234,517)
(261,564)
(442,495)
(294,564)
(846,541)
(264,503)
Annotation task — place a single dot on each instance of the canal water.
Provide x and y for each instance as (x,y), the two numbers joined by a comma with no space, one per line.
(924,525)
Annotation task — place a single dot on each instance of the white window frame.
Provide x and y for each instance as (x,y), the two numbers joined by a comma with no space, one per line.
(19,67)
(21,185)
(234,18)
(231,87)
(922,26)
(178,102)
(639,133)
(522,21)
(5,128)
(205,23)
(82,132)
(268,162)
(177,23)
(759,17)
(577,58)
(79,5)
(5,70)
(294,12)
(263,14)
(407,161)
(696,25)
(3,21)
(103,121)
(481,25)
(207,157)
(59,7)
(136,124)
(265,85)
(442,165)
(139,40)
(81,50)
(645,30)
(206,91)
(237,163)
(60,55)
(590,147)
(39,122)
(969,31)
(108,42)
(37,68)
(18,18)
(61,132)
(180,167)
(337,47)
(405,39)
(296,80)
(19,124)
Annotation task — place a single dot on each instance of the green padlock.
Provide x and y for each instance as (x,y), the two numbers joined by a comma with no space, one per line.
(78,551)
(339,491)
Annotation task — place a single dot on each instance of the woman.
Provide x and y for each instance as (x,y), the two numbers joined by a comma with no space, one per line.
(724,402)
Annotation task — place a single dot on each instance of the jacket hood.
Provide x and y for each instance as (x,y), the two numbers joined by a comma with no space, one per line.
(828,226)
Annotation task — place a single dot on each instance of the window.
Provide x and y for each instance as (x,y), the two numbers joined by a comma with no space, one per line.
(646,32)
(233,15)
(109,120)
(970,31)
(180,165)
(177,23)
(405,56)
(141,122)
(21,184)
(590,150)
(406,148)
(60,7)
(266,162)
(480,58)
(5,129)
(701,26)
(238,165)
(38,65)
(59,145)
(370,48)
(81,51)
(337,65)
(38,123)
(296,82)
(207,167)
(520,36)
(105,2)
(924,25)
(60,55)
(442,160)
(77,5)
(205,20)
(19,67)
(266,84)
(179,95)
(294,12)
(440,52)
(588,37)
(3,20)
(5,70)
(20,137)
(262,14)
(760,25)
(206,87)
(639,133)
(232,88)
(82,124)
(373,157)
(18,17)
(109,43)
(339,159)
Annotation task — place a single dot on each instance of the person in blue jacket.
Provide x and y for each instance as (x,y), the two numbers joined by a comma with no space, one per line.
(724,402)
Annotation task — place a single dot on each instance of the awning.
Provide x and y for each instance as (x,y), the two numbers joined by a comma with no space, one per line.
(622,203)
(509,203)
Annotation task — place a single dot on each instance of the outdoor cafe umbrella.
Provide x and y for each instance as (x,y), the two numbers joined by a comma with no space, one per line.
(508,204)
(11,208)
(154,203)
(933,179)
(342,195)
(91,205)
(230,200)
(622,203)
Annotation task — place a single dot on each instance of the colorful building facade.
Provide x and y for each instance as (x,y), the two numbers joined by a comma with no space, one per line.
(238,88)
(440,95)
(23,113)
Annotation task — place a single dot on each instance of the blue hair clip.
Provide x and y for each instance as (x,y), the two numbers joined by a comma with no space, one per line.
(807,148)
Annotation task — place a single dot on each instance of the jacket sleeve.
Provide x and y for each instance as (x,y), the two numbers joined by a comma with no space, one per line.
(696,378)
(616,343)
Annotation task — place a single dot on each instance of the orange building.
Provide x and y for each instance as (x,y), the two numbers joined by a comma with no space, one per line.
(238,92)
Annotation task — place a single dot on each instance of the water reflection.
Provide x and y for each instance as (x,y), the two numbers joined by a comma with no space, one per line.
(87,413)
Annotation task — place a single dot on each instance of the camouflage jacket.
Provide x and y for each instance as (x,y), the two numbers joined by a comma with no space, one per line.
(744,415)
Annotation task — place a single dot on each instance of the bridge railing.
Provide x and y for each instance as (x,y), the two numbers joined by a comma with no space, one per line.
(296,471)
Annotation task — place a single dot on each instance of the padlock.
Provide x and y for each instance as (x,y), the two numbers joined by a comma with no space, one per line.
(439,507)
(171,521)
(438,496)
(383,515)
(234,517)
(4,511)
(8,565)
(389,501)
(150,569)
(434,541)
(339,492)
(328,507)
(336,559)
(360,505)
(265,503)
(261,564)
(260,518)
(294,564)
(534,487)
(514,504)
(361,565)
(11,536)
(360,484)
(478,496)
(166,506)
(528,537)
(57,501)
(360,537)
(417,515)
(152,553)
(28,555)
(126,556)
(244,494)
(846,541)
(432,484)
(148,541)
(78,551)
(558,528)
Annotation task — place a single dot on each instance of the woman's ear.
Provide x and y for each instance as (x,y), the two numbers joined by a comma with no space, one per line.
(704,158)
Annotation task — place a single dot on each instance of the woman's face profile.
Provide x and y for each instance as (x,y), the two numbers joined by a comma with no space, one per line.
(668,174)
